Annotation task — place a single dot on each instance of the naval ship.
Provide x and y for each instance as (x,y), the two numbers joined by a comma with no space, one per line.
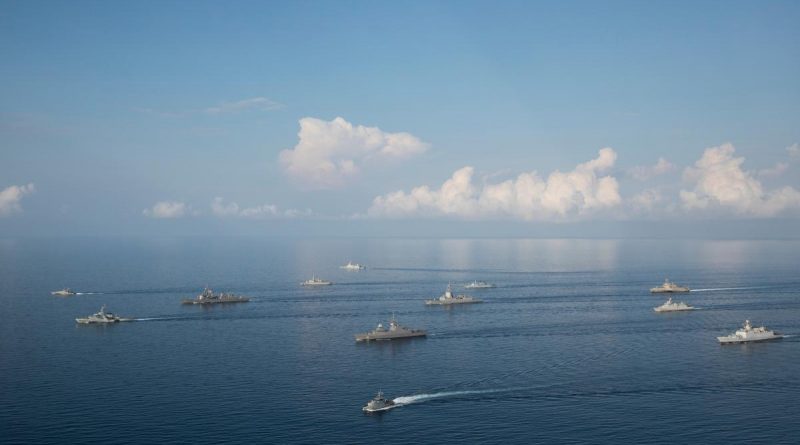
(668,287)
(379,403)
(63,292)
(670,306)
(394,331)
(479,285)
(750,334)
(315,281)
(209,297)
(448,298)
(101,318)
(353,266)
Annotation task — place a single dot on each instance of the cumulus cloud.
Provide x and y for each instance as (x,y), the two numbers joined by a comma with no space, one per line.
(222,209)
(793,151)
(254,103)
(645,172)
(528,196)
(167,210)
(775,171)
(328,153)
(11,196)
(719,181)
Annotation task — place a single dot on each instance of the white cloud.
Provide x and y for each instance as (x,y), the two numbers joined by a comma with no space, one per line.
(645,172)
(775,171)
(719,181)
(328,153)
(11,196)
(267,211)
(167,209)
(254,103)
(563,195)
(646,200)
(794,151)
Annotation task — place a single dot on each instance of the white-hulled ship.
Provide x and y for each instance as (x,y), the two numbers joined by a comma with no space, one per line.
(353,266)
(316,281)
(750,334)
(478,285)
(379,403)
(448,298)
(209,297)
(671,306)
(63,292)
(101,317)
(395,331)
(669,287)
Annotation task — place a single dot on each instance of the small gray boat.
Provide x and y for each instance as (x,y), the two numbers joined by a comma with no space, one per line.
(669,287)
(449,298)
(378,404)
(101,317)
(209,297)
(394,331)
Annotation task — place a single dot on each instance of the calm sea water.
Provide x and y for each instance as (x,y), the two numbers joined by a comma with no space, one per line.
(566,348)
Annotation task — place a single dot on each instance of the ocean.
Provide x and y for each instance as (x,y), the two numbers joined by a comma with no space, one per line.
(565,349)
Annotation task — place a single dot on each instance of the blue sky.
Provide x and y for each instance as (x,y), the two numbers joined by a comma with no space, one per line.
(108,109)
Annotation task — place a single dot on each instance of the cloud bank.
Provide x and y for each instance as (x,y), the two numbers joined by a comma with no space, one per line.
(221,209)
(166,210)
(561,196)
(645,172)
(720,182)
(331,152)
(11,196)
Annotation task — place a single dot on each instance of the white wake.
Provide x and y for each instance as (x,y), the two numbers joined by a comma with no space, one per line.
(407,400)
(725,288)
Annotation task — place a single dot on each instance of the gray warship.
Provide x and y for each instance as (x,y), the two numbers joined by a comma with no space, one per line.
(101,317)
(449,298)
(63,292)
(750,334)
(378,404)
(395,331)
(209,297)
(669,287)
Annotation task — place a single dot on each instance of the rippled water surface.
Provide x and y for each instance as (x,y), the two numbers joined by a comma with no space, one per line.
(566,348)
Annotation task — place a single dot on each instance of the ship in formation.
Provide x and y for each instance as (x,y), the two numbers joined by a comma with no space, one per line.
(209,297)
(749,334)
(669,287)
(316,281)
(101,317)
(448,298)
(63,292)
(671,306)
(379,403)
(394,331)
(353,266)
(479,285)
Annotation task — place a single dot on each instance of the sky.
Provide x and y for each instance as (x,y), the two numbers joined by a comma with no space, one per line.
(579,119)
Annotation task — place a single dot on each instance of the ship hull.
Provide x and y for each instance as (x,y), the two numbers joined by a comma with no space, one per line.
(729,340)
(373,337)
(674,310)
(669,291)
(214,302)
(449,303)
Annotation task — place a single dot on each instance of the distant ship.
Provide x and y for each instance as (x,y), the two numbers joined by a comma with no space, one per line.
(750,334)
(101,317)
(448,298)
(379,403)
(394,331)
(668,287)
(315,281)
(671,306)
(63,292)
(479,285)
(353,266)
(209,297)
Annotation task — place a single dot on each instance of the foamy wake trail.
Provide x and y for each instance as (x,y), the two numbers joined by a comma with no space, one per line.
(725,288)
(156,318)
(407,400)
(88,293)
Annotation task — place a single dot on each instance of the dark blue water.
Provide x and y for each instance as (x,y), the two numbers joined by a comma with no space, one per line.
(566,349)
